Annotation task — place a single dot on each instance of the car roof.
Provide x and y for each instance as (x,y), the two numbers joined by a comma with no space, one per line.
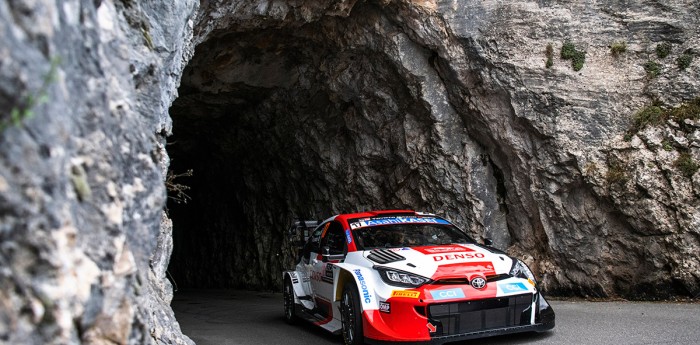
(382,213)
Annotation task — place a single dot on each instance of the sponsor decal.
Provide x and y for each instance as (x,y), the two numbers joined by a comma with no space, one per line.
(348,235)
(385,307)
(444,249)
(396,220)
(449,257)
(399,249)
(431,328)
(508,288)
(406,294)
(328,274)
(447,294)
(363,286)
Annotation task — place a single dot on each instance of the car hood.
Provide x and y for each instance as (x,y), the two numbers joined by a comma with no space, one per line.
(443,262)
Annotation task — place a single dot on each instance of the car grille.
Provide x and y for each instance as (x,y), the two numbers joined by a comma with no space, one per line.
(472,316)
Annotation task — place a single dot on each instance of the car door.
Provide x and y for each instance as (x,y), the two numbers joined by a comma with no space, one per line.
(310,255)
(323,271)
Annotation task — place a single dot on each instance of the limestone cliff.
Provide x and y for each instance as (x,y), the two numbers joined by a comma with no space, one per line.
(586,166)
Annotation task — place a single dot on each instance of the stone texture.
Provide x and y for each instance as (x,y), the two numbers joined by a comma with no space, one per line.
(443,106)
(294,109)
(81,191)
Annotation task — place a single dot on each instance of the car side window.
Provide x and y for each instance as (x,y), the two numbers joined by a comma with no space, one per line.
(335,240)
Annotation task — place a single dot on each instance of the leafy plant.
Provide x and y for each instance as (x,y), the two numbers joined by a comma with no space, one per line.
(568,50)
(686,164)
(684,60)
(652,68)
(24,109)
(618,48)
(577,57)
(663,49)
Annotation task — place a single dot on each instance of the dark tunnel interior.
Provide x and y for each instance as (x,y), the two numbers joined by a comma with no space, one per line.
(278,125)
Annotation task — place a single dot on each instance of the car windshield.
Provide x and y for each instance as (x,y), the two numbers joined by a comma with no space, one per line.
(408,235)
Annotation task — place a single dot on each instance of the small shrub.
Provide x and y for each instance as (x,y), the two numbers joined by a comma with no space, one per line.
(663,49)
(578,60)
(177,191)
(652,68)
(651,115)
(577,57)
(616,174)
(568,50)
(690,110)
(686,164)
(549,52)
(666,145)
(618,48)
(684,61)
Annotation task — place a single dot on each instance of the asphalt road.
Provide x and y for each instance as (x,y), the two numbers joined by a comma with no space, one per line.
(225,317)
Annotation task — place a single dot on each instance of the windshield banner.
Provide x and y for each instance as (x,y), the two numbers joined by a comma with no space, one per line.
(366,222)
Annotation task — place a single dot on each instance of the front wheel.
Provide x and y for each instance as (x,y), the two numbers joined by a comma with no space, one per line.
(351,316)
(289,305)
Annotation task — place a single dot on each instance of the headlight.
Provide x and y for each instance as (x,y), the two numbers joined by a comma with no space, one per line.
(520,270)
(400,278)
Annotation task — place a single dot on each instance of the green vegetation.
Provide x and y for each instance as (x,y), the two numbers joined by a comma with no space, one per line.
(616,174)
(666,145)
(686,164)
(618,48)
(651,115)
(652,68)
(685,59)
(24,108)
(663,49)
(577,57)
(655,115)
(549,52)
(690,110)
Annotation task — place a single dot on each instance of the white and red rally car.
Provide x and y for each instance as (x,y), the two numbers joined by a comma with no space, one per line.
(405,276)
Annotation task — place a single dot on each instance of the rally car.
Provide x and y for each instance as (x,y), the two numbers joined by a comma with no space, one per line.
(405,276)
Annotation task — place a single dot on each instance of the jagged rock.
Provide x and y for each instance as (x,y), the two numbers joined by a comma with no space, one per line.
(308,108)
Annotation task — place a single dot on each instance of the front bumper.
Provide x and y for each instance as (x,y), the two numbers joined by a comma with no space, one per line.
(457,320)
(471,335)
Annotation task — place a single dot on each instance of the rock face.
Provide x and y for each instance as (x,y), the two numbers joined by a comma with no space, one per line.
(85,88)
(450,107)
(303,109)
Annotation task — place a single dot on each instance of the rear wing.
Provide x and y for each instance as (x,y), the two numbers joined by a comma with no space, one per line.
(300,231)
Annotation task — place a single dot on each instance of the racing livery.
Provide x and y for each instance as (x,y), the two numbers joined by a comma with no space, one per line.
(406,276)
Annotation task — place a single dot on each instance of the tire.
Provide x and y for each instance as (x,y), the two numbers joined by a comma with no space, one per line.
(289,306)
(351,316)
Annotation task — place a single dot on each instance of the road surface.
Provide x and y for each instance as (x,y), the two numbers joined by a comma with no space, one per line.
(226,317)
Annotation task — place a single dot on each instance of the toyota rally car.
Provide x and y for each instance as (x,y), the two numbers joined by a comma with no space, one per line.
(405,276)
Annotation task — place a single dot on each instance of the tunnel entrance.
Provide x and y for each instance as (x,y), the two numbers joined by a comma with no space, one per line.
(277,125)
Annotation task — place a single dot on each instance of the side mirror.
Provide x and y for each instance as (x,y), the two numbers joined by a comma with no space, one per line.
(325,253)
(488,242)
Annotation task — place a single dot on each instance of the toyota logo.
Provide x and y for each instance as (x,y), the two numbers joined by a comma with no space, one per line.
(478,283)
